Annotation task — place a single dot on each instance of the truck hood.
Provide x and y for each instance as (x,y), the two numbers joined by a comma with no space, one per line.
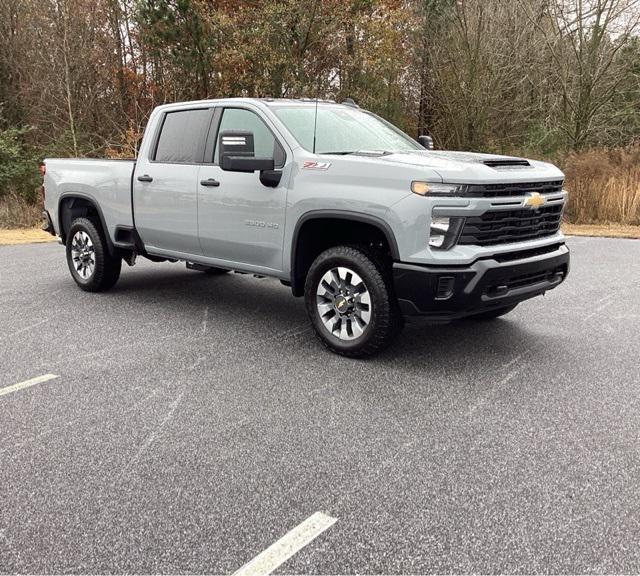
(471,167)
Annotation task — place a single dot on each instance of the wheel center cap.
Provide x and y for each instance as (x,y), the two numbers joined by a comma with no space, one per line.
(341,304)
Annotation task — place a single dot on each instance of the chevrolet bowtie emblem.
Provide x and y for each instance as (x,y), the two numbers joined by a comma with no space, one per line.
(535,200)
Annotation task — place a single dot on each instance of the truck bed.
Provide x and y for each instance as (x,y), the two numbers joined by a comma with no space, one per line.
(107,182)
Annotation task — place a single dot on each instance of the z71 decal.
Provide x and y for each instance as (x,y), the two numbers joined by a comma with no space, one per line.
(311,165)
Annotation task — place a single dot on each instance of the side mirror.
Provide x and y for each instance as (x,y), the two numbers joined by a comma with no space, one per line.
(425,141)
(237,153)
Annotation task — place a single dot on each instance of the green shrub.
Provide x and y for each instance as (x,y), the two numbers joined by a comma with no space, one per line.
(18,165)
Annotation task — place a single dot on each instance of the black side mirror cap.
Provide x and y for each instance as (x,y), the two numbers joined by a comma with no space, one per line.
(237,152)
(245,163)
(270,178)
(425,141)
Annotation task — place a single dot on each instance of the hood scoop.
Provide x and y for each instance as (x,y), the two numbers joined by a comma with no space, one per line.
(507,163)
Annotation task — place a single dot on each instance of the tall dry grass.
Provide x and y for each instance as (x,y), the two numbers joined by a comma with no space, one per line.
(604,186)
(15,212)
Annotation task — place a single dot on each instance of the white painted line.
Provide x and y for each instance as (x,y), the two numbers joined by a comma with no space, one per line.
(292,542)
(27,383)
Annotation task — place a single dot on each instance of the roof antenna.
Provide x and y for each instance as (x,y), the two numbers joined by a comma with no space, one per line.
(315,125)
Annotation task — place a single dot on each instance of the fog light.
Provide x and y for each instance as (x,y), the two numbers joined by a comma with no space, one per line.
(445,287)
(444,231)
(439,229)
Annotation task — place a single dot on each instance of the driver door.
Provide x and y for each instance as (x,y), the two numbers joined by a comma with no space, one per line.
(240,220)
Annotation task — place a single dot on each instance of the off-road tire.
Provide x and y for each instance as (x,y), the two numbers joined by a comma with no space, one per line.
(106,268)
(385,320)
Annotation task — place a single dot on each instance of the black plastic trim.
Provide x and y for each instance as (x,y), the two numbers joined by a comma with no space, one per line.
(136,242)
(47,225)
(506,162)
(484,285)
(133,212)
(340,215)
(97,208)
(212,132)
(513,189)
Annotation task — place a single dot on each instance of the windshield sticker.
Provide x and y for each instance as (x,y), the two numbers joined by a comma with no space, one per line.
(311,165)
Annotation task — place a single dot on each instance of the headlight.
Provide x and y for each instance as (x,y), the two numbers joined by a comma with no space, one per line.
(444,231)
(436,188)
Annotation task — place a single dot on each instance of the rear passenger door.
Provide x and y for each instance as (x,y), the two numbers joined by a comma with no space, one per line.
(165,183)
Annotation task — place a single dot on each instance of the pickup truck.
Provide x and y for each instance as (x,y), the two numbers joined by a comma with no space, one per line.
(365,222)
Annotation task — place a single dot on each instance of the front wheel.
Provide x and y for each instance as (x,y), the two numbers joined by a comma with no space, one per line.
(350,301)
(90,264)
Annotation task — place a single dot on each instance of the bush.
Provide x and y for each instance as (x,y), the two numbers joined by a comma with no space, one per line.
(18,166)
(15,212)
(604,186)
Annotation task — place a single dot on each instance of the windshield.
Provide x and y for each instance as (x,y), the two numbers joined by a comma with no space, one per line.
(342,130)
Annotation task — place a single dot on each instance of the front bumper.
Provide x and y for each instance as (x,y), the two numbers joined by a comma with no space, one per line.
(451,292)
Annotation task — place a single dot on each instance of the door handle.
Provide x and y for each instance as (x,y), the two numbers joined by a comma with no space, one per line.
(145,178)
(210,182)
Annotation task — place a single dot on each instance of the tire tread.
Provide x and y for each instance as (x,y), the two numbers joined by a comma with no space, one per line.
(387,314)
(107,269)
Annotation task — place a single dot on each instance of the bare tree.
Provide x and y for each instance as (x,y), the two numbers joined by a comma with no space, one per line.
(583,40)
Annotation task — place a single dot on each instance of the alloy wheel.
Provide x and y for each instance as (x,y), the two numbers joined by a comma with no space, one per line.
(344,303)
(83,254)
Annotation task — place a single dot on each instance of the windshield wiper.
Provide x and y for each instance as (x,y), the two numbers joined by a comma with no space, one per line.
(360,153)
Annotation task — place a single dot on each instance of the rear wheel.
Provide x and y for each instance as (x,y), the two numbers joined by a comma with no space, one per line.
(350,301)
(491,314)
(90,264)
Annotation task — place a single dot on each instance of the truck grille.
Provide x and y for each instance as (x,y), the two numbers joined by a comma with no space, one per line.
(505,226)
(509,190)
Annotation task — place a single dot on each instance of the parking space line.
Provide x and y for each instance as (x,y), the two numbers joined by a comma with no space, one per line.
(27,383)
(293,541)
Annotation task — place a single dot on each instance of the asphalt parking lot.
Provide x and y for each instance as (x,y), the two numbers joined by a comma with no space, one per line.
(195,420)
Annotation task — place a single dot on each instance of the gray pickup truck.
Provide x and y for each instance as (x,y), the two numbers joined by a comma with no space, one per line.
(366,223)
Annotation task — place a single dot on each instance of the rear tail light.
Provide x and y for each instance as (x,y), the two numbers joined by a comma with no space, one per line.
(42,168)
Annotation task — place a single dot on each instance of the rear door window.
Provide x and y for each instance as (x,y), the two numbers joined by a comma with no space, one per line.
(182,136)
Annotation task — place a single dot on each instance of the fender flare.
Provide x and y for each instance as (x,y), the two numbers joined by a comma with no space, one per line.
(375,221)
(98,210)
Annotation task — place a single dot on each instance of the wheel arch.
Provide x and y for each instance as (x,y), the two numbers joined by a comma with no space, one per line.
(364,222)
(73,204)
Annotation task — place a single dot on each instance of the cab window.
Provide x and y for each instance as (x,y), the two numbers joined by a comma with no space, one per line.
(266,145)
(182,136)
